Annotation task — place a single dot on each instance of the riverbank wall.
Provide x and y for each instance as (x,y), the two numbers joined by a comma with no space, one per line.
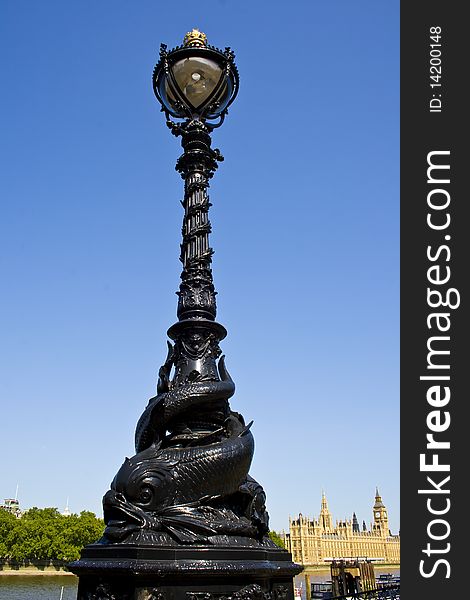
(34,567)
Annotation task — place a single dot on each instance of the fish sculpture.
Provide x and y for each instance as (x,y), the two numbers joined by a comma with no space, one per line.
(188,481)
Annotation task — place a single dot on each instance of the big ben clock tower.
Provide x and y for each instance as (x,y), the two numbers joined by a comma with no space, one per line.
(380,515)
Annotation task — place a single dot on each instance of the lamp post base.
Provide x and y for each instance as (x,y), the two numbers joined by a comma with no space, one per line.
(124,572)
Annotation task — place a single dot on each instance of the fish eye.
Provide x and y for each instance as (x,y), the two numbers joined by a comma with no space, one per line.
(145,495)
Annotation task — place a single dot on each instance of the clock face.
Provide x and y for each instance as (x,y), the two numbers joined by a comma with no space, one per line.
(377,514)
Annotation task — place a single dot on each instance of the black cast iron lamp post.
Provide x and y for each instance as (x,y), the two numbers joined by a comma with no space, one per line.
(184,519)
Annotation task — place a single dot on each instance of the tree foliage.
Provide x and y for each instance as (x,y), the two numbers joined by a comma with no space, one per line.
(45,534)
(276,538)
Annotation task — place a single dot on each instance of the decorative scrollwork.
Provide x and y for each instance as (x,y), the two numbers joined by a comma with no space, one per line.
(249,592)
(156,594)
(104,591)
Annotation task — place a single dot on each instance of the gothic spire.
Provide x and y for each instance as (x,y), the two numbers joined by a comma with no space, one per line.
(355,523)
(378,499)
(326,520)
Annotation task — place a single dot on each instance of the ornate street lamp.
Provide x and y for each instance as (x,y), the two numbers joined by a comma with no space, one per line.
(196,81)
(184,519)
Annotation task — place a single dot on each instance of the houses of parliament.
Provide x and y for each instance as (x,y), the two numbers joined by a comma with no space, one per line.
(316,541)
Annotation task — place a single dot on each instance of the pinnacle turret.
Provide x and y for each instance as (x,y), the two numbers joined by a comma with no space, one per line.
(378,500)
(355,523)
(326,520)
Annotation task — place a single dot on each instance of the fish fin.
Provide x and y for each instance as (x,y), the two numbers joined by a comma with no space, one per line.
(204,439)
(185,535)
(223,373)
(246,429)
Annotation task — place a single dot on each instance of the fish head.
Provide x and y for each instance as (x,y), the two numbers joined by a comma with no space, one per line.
(144,482)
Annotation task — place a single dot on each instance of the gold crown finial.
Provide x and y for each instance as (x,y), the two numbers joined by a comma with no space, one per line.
(195,39)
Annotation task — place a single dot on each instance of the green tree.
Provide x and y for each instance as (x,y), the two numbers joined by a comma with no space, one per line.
(7,525)
(79,531)
(34,534)
(276,538)
(45,534)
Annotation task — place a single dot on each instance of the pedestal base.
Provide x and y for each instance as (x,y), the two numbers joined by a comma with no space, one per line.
(120,572)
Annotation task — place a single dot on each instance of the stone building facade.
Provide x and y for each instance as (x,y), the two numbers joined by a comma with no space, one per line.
(316,541)
(12,506)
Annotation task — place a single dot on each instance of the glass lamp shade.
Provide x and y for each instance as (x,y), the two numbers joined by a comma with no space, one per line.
(196,78)
(200,83)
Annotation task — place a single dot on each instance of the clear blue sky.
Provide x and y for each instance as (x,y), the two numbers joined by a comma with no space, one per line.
(305,230)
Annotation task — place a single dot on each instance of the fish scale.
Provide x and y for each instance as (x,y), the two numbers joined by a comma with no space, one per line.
(218,469)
